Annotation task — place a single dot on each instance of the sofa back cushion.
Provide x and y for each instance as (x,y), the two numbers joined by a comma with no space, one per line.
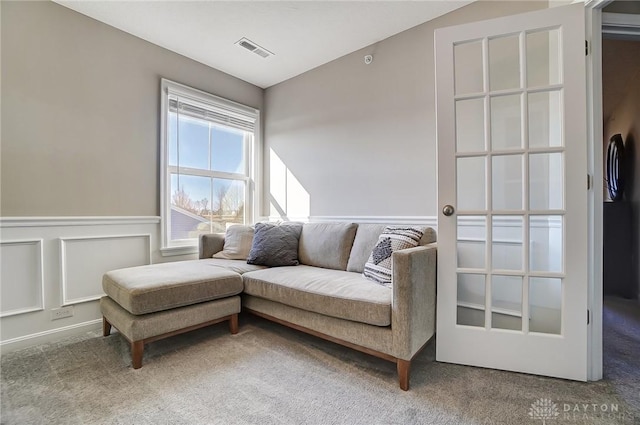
(326,245)
(366,239)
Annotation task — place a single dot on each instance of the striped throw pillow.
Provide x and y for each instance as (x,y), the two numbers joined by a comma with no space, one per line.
(393,238)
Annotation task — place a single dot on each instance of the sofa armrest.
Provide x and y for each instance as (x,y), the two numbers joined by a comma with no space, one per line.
(413,309)
(209,244)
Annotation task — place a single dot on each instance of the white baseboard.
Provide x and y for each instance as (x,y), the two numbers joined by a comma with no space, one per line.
(44,337)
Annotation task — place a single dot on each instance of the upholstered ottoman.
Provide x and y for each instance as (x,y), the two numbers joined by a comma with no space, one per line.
(152,302)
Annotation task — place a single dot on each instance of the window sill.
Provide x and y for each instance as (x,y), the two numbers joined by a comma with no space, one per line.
(178,250)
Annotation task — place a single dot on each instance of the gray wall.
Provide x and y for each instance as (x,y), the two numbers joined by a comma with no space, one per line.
(80,113)
(360,140)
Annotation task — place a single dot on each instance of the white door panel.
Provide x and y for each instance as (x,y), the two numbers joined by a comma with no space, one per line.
(512,162)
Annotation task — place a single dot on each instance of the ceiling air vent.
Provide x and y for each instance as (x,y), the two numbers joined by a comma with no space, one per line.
(253,47)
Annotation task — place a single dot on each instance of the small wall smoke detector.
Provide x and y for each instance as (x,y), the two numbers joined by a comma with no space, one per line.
(253,47)
(368,59)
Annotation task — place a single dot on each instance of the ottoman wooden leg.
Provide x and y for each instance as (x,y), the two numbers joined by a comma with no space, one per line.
(106,327)
(137,348)
(233,324)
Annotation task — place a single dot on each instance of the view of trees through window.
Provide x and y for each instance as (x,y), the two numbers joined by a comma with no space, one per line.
(209,175)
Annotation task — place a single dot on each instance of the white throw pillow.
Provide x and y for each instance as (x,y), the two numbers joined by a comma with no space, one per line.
(393,238)
(237,243)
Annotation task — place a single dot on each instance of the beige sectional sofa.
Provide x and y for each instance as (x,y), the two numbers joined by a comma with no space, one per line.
(327,296)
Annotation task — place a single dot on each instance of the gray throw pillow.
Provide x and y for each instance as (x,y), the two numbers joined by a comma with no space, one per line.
(275,244)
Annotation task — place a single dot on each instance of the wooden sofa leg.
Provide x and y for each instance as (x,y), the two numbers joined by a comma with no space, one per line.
(233,324)
(137,348)
(106,327)
(404,366)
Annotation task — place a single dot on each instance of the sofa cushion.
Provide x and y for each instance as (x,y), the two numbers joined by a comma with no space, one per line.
(367,237)
(275,244)
(237,243)
(326,245)
(238,266)
(394,238)
(157,287)
(334,293)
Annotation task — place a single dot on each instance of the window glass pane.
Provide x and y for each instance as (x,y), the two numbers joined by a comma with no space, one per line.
(172,138)
(228,206)
(504,63)
(193,143)
(190,206)
(507,182)
(470,125)
(545,305)
(506,302)
(506,122)
(468,67)
(227,150)
(471,183)
(543,58)
(546,243)
(471,301)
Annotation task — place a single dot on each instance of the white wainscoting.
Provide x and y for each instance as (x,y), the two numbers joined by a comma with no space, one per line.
(431,221)
(49,262)
(83,261)
(21,276)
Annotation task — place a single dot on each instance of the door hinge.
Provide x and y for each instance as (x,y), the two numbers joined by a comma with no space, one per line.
(589,181)
(586,48)
(588,317)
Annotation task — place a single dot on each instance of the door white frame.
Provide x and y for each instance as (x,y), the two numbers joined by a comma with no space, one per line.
(593,14)
(594,28)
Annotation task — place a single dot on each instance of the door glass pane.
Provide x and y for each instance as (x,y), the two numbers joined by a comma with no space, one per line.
(506,302)
(545,305)
(506,247)
(471,299)
(545,119)
(227,150)
(543,58)
(470,125)
(472,241)
(546,181)
(546,251)
(228,203)
(505,122)
(507,182)
(471,183)
(504,63)
(468,67)
(190,197)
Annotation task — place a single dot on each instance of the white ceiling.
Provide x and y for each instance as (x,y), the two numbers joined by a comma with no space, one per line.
(302,34)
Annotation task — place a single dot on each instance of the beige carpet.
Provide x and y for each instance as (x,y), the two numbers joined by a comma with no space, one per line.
(268,374)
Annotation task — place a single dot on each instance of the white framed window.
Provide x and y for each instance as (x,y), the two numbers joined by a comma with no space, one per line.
(208,147)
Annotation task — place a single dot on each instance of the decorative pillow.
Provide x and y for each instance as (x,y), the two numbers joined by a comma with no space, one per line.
(237,243)
(275,244)
(393,238)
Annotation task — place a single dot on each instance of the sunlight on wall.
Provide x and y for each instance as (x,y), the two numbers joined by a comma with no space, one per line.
(288,199)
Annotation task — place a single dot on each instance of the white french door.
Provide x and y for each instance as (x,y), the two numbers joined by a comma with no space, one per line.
(512,191)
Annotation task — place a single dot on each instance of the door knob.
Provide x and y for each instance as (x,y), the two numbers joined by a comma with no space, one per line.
(448,210)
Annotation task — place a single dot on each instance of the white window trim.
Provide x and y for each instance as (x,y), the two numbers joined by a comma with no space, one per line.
(254,156)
